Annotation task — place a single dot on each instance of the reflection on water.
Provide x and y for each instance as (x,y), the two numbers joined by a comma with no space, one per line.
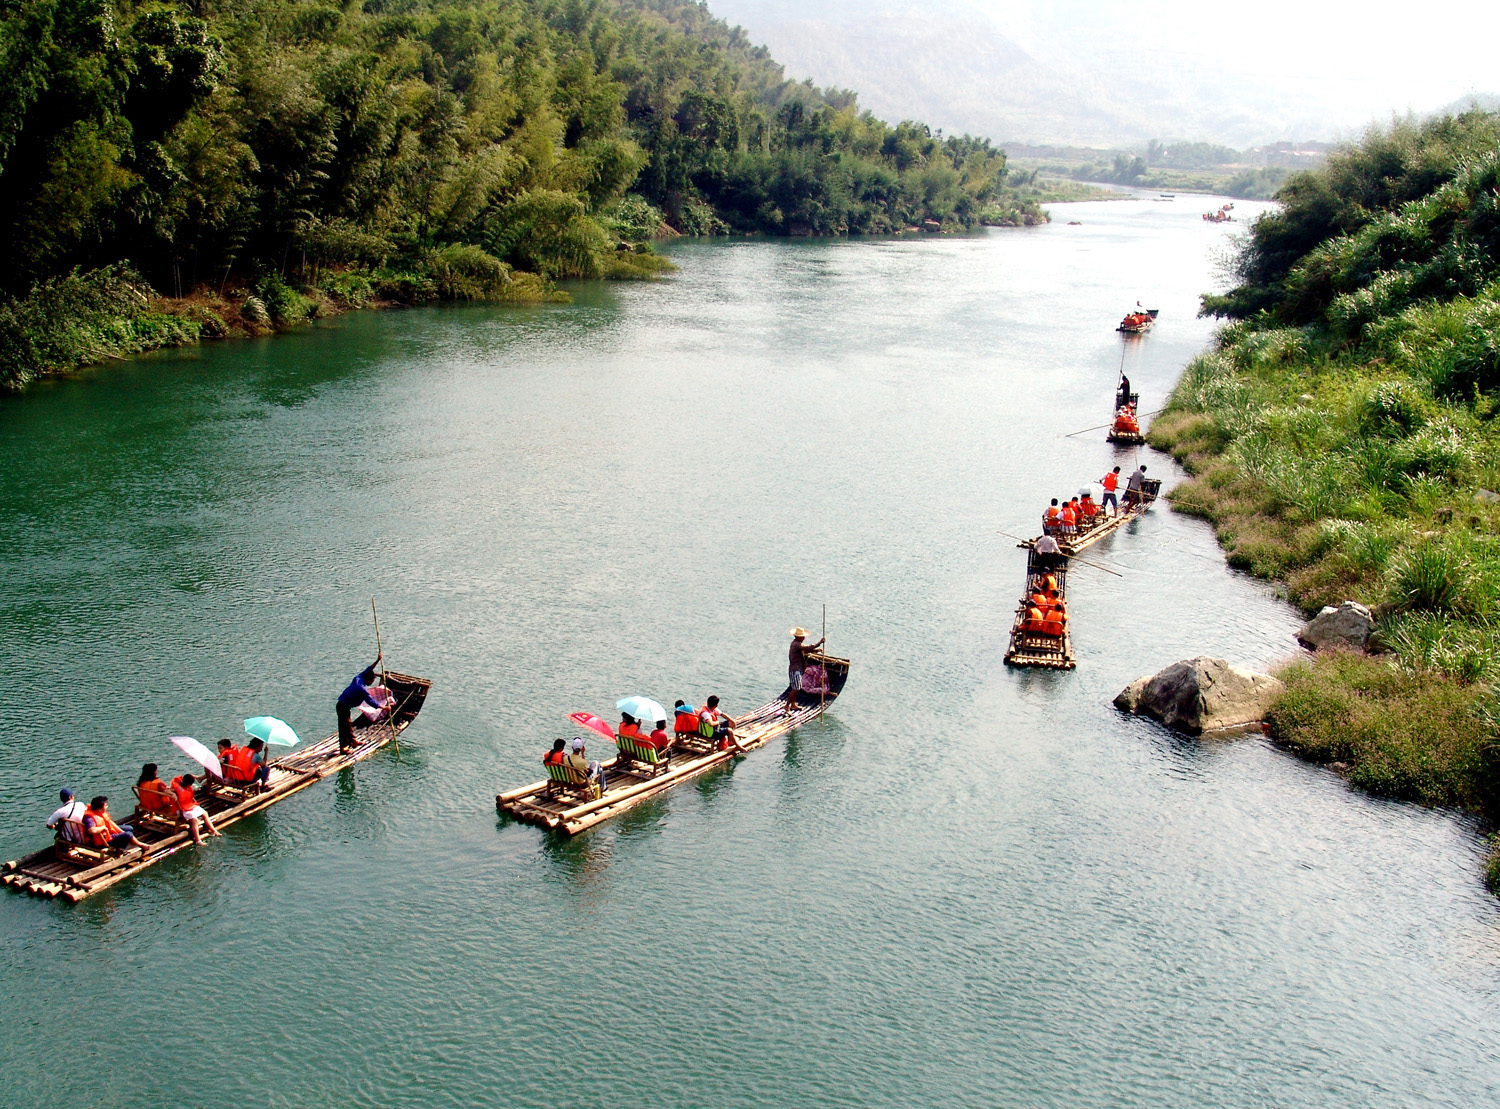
(966,885)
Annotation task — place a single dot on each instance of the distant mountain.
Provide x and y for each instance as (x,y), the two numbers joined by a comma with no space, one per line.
(1067,71)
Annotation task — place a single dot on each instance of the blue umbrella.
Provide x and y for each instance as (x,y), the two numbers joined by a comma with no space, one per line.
(271,730)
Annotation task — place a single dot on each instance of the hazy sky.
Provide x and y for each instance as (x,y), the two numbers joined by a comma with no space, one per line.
(1288,68)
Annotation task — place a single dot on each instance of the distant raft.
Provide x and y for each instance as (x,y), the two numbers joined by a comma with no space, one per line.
(569,806)
(73,872)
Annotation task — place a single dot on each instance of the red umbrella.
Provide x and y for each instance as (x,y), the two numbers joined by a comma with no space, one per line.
(592,723)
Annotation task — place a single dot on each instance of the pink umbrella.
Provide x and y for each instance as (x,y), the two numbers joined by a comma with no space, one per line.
(592,723)
(199,754)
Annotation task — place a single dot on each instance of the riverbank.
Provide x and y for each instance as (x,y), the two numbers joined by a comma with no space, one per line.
(84,319)
(1342,440)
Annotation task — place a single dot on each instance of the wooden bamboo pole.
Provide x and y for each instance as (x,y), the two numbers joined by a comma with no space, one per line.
(384,680)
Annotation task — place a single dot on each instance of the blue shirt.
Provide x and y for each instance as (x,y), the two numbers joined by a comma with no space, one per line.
(357,692)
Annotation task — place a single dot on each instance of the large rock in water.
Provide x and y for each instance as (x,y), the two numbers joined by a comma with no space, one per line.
(1201,695)
(1348,625)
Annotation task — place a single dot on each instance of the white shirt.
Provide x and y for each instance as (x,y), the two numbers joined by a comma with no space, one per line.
(73,810)
(1047,545)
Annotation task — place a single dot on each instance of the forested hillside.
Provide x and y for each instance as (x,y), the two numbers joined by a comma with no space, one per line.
(1344,440)
(322,153)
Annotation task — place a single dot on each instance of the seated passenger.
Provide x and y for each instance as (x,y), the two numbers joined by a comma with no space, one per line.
(1033,623)
(659,738)
(154,795)
(556,756)
(1088,508)
(192,812)
(718,725)
(100,829)
(684,719)
(68,820)
(1052,519)
(583,766)
(239,764)
(629,726)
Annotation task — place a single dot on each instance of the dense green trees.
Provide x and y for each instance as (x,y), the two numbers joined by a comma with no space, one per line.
(219,140)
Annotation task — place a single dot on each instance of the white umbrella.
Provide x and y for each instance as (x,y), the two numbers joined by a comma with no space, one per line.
(642,708)
(199,754)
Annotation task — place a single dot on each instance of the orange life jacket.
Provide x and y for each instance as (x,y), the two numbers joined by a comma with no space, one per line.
(239,764)
(1111,482)
(1053,514)
(155,797)
(685,723)
(1049,583)
(1069,517)
(1052,627)
(553,758)
(1033,622)
(631,730)
(101,830)
(1087,508)
(186,799)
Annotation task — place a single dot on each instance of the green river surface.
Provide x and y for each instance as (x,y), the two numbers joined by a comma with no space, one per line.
(966,885)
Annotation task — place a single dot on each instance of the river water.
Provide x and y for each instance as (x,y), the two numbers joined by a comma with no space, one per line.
(966,885)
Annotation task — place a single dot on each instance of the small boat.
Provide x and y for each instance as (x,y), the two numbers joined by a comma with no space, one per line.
(564,804)
(72,871)
(1221,216)
(1050,646)
(1138,322)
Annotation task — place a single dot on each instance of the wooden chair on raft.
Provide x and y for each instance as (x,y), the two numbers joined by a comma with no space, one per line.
(156,809)
(565,782)
(652,761)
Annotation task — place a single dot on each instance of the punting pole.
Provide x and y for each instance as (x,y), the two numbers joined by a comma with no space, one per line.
(823,688)
(1070,558)
(380,653)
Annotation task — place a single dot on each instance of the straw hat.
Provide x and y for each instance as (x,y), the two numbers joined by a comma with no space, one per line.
(799,633)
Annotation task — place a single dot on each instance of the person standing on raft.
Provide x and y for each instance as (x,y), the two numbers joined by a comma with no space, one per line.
(355,694)
(796,664)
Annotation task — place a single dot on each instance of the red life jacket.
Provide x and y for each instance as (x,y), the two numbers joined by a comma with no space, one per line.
(631,730)
(1053,514)
(239,764)
(1111,482)
(98,828)
(1069,517)
(553,758)
(155,797)
(685,722)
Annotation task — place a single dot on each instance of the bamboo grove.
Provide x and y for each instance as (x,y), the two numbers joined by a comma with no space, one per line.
(415,149)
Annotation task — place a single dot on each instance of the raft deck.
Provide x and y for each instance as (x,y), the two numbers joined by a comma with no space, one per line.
(630,783)
(1034,648)
(73,872)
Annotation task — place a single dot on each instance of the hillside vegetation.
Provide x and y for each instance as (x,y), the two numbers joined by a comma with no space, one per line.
(267,160)
(1343,439)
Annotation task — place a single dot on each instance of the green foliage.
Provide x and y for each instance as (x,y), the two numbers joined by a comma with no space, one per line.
(68,321)
(284,303)
(1342,437)
(1419,737)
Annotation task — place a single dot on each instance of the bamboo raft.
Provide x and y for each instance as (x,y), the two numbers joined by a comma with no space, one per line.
(571,809)
(73,872)
(1104,526)
(1050,652)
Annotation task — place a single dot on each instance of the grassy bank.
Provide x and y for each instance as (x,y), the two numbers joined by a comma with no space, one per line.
(1342,439)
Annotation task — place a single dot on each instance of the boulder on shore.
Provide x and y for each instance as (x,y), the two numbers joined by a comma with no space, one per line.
(1201,695)
(1348,625)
